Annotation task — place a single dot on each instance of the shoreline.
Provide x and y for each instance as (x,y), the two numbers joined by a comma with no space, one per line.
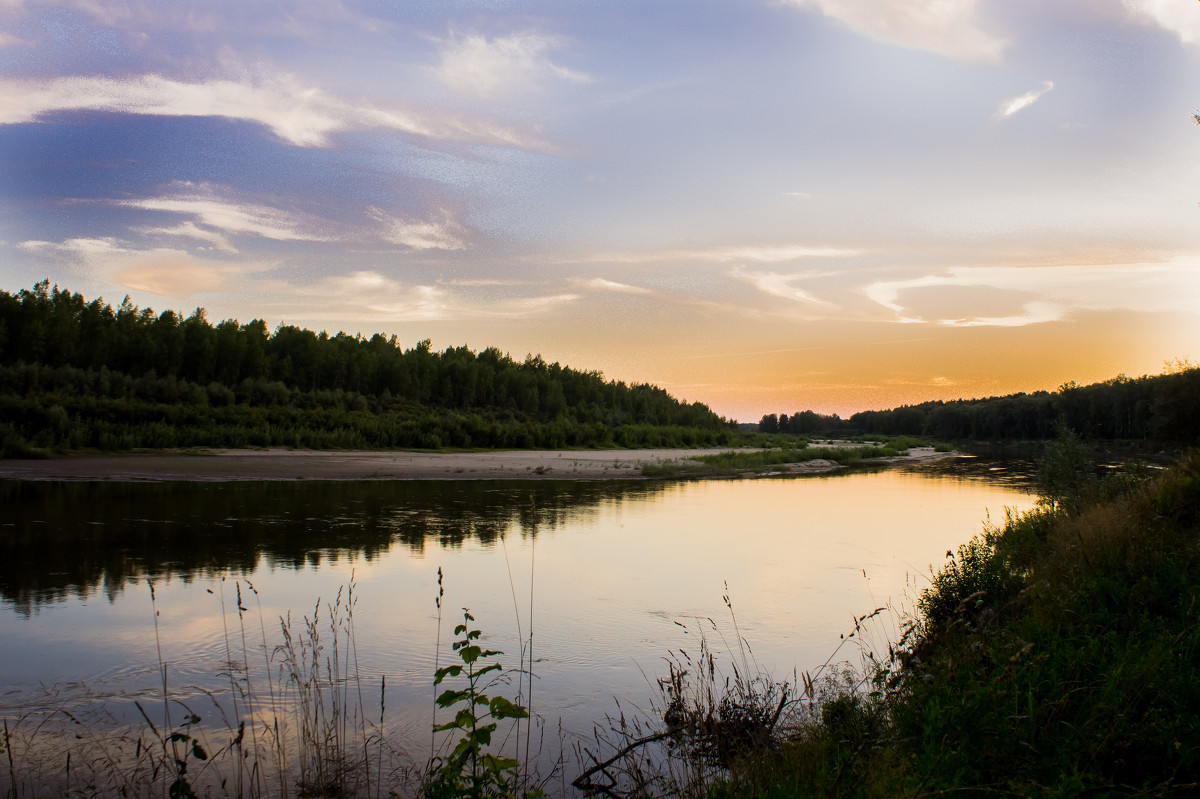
(281,464)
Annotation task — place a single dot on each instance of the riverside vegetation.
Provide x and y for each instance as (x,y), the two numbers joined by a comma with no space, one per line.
(1053,656)
(778,458)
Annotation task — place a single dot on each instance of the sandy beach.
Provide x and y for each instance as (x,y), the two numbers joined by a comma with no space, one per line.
(287,464)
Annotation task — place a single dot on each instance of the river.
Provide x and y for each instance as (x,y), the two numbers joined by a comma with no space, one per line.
(606,580)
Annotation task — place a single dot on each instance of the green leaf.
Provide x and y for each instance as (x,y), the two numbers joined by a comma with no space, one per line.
(502,708)
(470,654)
(498,764)
(484,734)
(448,671)
(198,750)
(450,697)
(486,669)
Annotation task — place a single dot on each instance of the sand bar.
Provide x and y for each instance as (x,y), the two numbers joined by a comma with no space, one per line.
(221,465)
(288,464)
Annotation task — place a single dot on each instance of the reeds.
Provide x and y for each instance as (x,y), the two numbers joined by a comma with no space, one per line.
(772,460)
(297,724)
(720,716)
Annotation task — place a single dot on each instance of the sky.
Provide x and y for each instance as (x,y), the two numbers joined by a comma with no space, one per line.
(763,205)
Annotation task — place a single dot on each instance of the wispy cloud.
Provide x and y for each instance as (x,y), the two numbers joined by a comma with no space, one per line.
(948,27)
(441,233)
(477,65)
(372,296)
(602,284)
(190,230)
(163,271)
(1181,18)
(296,111)
(211,210)
(1173,286)
(779,284)
(1010,107)
(381,297)
(767,254)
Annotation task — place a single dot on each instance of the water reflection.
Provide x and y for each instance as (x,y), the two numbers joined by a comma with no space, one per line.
(1011,471)
(74,539)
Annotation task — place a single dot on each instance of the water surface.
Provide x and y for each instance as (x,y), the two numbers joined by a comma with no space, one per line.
(609,577)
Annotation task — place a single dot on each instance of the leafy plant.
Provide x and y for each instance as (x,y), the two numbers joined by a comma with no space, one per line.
(470,770)
(179,747)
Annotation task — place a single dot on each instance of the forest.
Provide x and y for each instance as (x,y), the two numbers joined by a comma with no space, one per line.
(78,374)
(1159,409)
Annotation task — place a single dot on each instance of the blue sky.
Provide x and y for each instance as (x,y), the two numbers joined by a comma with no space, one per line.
(766,206)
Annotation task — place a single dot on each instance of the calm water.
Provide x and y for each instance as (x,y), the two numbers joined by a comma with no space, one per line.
(617,575)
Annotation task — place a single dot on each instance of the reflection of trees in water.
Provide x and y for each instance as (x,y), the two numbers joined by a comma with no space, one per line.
(1010,467)
(59,540)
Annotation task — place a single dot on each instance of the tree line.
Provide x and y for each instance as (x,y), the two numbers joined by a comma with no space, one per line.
(76,373)
(1159,408)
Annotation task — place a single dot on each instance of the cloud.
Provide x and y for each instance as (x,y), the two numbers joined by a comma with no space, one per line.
(299,113)
(480,66)
(443,233)
(172,273)
(780,285)
(948,27)
(768,254)
(233,217)
(190,230)
(387,298)
(1010,107)
(1181,17)
(601,284)
(163,271)
(372,296)
(78,247)
(1173,286)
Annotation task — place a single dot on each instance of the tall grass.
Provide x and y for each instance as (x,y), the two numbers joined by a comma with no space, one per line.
(720,716)
(298,724)
(773,460)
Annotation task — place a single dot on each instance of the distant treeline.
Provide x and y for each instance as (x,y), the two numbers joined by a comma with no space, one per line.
(1161,408)
(77,374)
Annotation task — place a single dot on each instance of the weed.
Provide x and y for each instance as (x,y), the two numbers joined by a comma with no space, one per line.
(470,770)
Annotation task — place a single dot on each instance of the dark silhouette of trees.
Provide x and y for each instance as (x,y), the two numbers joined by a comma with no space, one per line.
(83,374)
(1162,409)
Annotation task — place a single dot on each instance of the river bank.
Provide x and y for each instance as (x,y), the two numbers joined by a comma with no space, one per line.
(220,465)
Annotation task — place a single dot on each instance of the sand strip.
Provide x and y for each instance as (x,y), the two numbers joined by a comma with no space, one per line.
(287,464)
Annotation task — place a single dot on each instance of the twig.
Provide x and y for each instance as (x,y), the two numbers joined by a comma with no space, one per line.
(583,781)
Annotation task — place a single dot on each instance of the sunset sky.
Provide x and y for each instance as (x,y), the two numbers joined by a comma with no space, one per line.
(763,205)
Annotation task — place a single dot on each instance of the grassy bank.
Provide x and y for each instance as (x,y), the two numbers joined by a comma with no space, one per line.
(779,459)
(1055,655)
